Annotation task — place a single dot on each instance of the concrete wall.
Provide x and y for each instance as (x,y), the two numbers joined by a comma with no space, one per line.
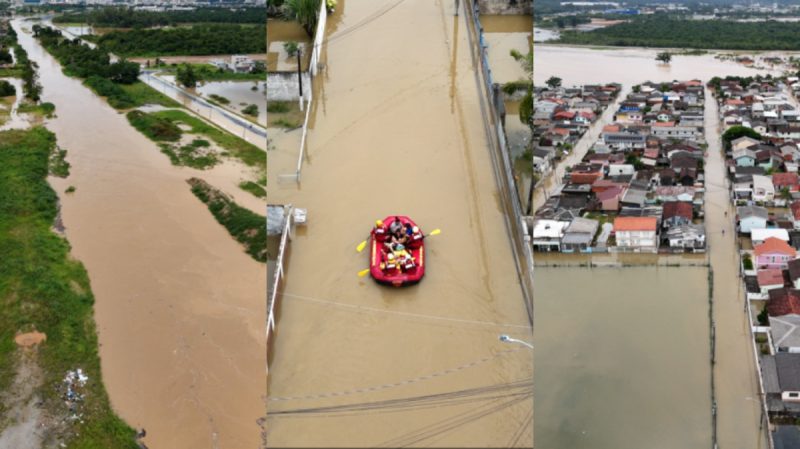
(505,7)
(283,86)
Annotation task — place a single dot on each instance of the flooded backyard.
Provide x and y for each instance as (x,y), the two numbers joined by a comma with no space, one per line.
(341,339)
(622,358)
(179,306)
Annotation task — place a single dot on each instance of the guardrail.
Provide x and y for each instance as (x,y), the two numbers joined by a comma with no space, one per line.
(273,287)
(515,219)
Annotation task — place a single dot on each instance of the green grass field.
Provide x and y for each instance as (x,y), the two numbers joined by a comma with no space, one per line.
(43,288)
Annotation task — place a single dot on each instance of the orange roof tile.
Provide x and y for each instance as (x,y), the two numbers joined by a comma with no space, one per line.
(634,224)
(775,245)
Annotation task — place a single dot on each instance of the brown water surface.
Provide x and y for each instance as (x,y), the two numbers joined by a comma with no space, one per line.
(398,130)
(179,305)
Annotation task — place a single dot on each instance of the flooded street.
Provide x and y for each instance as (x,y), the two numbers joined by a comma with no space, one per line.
(398,129)
(179,306)
(734,375)
(622,365)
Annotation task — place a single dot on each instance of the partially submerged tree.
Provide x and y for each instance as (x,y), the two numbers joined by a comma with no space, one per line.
(664,57)
(304,12)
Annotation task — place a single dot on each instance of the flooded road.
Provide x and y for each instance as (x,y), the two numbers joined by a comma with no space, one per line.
(179,305)
(622,365)
(398,129)
(735,372)
(503,34)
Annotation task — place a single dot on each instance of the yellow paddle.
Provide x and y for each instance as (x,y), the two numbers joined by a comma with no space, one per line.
(363,273)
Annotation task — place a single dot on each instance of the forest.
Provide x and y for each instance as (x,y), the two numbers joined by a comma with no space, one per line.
(128,18)
(220,39)
(706,34)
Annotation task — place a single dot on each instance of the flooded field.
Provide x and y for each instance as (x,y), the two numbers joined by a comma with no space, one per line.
(280,32)
(179,305)
(608,360)
(581,65)
(240,93)
(397,131)
(14,119)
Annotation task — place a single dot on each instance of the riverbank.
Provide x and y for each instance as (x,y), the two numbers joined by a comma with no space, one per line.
(49,314)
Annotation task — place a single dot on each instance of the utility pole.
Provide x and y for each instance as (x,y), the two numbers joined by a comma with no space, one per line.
(300,73)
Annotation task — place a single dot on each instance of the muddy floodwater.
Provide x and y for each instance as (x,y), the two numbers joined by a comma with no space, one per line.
(503,34)
(581,65)
(622,358)
(179,306)
(240,93)
(397,130)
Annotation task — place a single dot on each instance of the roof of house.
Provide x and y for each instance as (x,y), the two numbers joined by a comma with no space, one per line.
(788,367)
(609,193)
(794,269)
(770,277)
(677,209)
(634,224)
(782,179)
(783,301)
(772,245)
(752,211)
(762,234)
(795,208)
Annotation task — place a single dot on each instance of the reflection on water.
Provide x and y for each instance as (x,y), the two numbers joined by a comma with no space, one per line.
(503,34)
(622,358)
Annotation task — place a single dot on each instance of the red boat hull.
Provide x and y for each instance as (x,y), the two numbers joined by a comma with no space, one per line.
(396,277)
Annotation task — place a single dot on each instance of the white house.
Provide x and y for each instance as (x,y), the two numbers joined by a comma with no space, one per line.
(751,217)
(763,189)
(547,235)
(620,169)
(636,233)
(758,235)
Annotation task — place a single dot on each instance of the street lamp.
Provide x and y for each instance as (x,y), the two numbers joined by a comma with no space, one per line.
(507,339)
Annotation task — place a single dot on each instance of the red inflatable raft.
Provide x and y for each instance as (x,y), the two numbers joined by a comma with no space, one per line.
(397,268)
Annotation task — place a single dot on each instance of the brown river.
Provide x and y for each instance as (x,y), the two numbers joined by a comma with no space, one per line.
(650,377)
(179,305)
(397,129)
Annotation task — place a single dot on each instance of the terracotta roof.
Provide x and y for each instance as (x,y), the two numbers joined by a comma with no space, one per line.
(611,128)
(794,269)
(770,277)
(784,179)
(795,207)
(783,301)
(677,209)
(609,193)
(664,124)
(634,224)
(773,245)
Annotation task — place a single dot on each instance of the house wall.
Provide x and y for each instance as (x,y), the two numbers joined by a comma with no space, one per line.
(745,162)
(748,224)
(773,260)
(636,239)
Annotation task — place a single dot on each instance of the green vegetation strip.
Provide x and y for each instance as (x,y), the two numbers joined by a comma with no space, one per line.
(129,18)
(207,72)
(162,125)
(197,40)
(705,34)
(43,288)
(247,227)
(253,188)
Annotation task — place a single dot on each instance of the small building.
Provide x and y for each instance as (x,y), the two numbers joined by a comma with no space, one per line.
(609,199)
(637,233)
(769,279)
(774,253)
(687,236)
(676,213)
(579,235)
(547,235)
(781,374)
(759,235)
(763,190)
(751,217)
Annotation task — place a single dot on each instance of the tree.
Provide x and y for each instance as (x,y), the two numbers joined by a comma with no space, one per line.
(123,72)
(7,89)
(303,12)
(526,109)
(554,82)
(186,76)
(251,110)
(664,57)
(5,57)
(259,67)
(735,132)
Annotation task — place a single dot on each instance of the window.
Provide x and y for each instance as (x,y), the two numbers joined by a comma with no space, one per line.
(794,395)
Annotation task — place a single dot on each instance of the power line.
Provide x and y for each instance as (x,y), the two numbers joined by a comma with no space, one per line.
(396,312)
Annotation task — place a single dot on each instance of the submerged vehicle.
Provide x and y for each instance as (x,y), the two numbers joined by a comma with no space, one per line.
(399,265)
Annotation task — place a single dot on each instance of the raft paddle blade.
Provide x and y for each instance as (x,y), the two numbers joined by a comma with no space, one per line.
(361,246)
(363,273)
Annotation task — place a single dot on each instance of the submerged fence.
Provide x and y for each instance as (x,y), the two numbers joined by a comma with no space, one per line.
(501,160)
(274,287)
(308,93)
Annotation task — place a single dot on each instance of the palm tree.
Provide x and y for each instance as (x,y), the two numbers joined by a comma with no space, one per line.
(304,12)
